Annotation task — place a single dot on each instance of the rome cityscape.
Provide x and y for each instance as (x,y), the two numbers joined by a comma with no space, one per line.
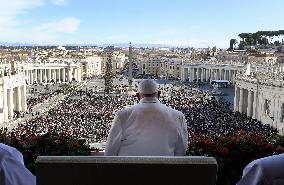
(59,94)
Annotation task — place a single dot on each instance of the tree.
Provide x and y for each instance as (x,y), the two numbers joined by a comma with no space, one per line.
(243,36)
(242,45)
(108,77)
(256,38)
(277,43)
(233,42)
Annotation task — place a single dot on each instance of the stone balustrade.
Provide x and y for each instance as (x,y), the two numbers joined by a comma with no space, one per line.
(89,170)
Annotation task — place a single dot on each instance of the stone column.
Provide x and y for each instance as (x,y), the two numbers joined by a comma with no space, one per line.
(181,74)
(75,73)
(10,103)
(79,74)
(63,75)
(24,98)
(236,99)
(45,75)
(19,101)
(202,75)
(55,75)
(69,74)
(26,73)
(52,74)
(207,74)
(28,77)
(191,74)
(218,74)
(59,75)
(228,75)
(49,75)
(36,75)
(241,100)
(198,74)
(254,111)
(5,104)
(32,77)
(40,75)
(249,103)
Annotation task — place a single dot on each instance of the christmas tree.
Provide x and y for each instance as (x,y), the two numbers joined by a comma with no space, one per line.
(108,77)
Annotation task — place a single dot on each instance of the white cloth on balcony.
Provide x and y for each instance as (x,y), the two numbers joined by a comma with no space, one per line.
(264,171)
(13,170)
(148,128)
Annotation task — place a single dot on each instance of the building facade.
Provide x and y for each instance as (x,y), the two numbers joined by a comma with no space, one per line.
(207,72)
(261,96)
(13,95)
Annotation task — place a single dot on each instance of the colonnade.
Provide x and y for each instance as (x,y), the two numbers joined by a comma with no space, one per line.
(39,75)
(207,73)
(261,101)
(245,101)
(14,99)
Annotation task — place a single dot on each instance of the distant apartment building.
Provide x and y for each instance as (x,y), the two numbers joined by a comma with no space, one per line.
(260,58)
(117,60)
(160,67)
(91,66)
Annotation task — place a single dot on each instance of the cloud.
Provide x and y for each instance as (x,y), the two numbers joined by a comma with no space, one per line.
(65,25)
(60,2)
(170,32)
(195,43)
(51,31)
(9,10)
(12,29)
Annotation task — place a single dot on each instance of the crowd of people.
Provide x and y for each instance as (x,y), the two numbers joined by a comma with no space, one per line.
(86,114)
(41,97)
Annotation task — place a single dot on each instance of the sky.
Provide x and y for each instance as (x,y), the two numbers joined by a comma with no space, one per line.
(197,23)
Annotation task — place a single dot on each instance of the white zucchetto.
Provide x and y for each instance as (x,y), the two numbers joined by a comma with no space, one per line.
(147,86)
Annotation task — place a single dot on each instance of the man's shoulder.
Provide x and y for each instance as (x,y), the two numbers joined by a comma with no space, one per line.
(173,111)
(10,151)
(126,109)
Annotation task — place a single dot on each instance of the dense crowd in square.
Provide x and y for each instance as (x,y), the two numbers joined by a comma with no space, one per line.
(87,114)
